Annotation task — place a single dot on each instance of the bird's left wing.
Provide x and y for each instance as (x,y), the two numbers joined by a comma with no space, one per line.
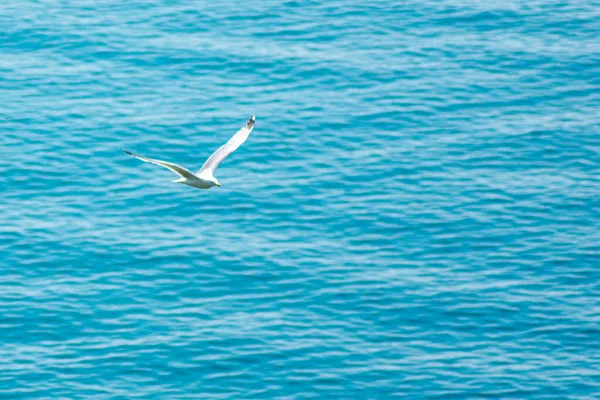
(232,145)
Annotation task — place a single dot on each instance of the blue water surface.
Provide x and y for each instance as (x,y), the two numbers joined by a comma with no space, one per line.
(416,214)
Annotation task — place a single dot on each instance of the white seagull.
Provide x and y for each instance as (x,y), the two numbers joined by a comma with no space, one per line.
(204,179)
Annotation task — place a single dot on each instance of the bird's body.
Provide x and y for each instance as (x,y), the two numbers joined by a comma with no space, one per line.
(197,182)
(204,178)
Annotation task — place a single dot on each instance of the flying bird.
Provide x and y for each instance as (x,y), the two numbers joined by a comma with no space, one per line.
(204,179)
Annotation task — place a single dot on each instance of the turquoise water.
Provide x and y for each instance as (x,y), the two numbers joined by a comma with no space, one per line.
(416,214)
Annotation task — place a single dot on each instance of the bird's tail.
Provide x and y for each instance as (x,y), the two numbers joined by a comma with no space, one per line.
(180,180)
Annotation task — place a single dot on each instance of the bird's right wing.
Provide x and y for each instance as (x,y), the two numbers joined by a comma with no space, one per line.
(232,145)
(178,169)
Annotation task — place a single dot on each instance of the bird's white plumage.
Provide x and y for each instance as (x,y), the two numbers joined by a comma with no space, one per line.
(204,178)
(232,145)
(178,169)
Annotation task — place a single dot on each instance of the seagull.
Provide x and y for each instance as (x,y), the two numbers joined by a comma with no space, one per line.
(204,179)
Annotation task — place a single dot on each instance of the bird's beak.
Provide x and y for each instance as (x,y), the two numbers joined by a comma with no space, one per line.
(218,184)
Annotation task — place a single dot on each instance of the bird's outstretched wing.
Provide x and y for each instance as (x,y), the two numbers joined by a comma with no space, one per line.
(178,169)
(232,145)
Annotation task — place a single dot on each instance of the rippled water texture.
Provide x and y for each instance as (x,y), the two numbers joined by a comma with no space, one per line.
(416,214)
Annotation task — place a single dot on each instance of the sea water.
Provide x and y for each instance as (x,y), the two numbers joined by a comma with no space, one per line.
(416,214)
